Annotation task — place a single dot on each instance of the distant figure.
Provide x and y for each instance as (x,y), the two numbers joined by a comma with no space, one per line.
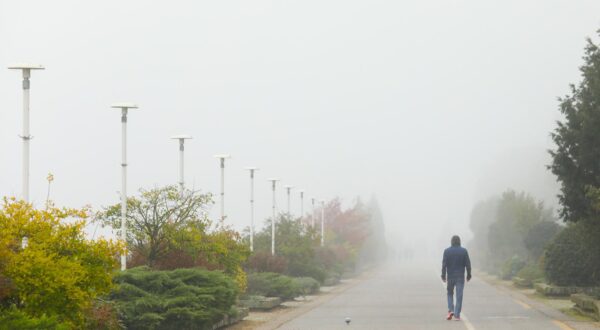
(456,259)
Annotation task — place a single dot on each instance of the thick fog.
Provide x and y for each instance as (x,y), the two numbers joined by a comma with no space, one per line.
(430,106)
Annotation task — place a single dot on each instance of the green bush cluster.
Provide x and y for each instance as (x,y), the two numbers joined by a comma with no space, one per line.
(573,258)
(282,286)
(307,285)
(273,285)
(531,273)
(184,298)
(308,268)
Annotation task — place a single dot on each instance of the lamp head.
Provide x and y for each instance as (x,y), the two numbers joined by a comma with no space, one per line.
(251,168)
(124,105)
(26,66)
(222,156)
(181,137)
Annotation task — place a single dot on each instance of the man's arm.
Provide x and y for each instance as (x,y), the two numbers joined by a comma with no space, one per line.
(468,265)
(444,266)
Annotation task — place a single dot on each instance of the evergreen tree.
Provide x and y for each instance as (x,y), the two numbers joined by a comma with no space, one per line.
(576,159)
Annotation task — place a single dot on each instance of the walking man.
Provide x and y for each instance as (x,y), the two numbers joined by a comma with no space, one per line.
(455,261)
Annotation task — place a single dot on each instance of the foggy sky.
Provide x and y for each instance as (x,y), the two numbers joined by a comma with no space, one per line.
(429,105)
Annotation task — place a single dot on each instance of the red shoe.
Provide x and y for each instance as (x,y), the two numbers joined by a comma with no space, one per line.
(457,318)
(450,315)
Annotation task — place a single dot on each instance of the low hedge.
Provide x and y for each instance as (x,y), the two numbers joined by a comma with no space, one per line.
(180,299)
(531,273)
(282,286)
(307,285)
(273,285)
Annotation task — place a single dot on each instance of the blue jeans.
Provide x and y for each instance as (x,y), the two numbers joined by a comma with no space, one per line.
(459,283)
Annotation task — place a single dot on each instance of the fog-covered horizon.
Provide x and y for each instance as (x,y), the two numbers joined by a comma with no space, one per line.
(430,106)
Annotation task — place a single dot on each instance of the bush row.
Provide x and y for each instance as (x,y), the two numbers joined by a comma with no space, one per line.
(282,286)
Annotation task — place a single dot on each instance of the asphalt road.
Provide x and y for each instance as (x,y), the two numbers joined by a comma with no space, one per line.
(411,296)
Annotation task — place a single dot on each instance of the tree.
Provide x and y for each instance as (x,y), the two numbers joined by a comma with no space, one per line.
(168,229)
(577,138)
(157,218)
(59,272)
(482,217)
(293,241)
(516,215)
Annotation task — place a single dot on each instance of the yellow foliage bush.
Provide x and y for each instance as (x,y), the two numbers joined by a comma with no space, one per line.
(59,272)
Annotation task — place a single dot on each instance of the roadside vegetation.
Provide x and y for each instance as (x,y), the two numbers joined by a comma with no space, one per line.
(517,236)
(184,270)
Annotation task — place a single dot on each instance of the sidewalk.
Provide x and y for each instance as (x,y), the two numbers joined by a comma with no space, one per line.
(557,308)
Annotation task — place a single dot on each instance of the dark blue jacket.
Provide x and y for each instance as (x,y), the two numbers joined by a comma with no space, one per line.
(456,259)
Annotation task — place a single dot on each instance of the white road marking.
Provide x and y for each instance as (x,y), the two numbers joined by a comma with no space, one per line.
(507,317)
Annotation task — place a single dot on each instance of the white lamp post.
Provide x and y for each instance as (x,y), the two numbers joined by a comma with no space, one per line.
(312,218)
(252,170)
(322,223)
(222,158)
(26,69)
(301,205)
(273,183)
(289,189)
(181,139)
(124,108)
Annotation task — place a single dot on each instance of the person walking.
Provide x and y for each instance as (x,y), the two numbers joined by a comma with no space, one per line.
(455,261)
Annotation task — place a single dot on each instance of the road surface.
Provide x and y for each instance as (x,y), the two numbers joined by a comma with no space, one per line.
(411,296)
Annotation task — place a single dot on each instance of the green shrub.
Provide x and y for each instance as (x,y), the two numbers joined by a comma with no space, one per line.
(307,285)
(307,269)
(13,318)
(573,257)
(180,299)
(272,285)
(511,267)
(531,273)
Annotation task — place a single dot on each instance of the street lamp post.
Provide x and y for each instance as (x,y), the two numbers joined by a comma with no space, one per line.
(26,137)
(312,218)
(181,139)
(124,108)
(322,223)
(273,183)
(252,170)
(301,205)
(222,158)
(289,189)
